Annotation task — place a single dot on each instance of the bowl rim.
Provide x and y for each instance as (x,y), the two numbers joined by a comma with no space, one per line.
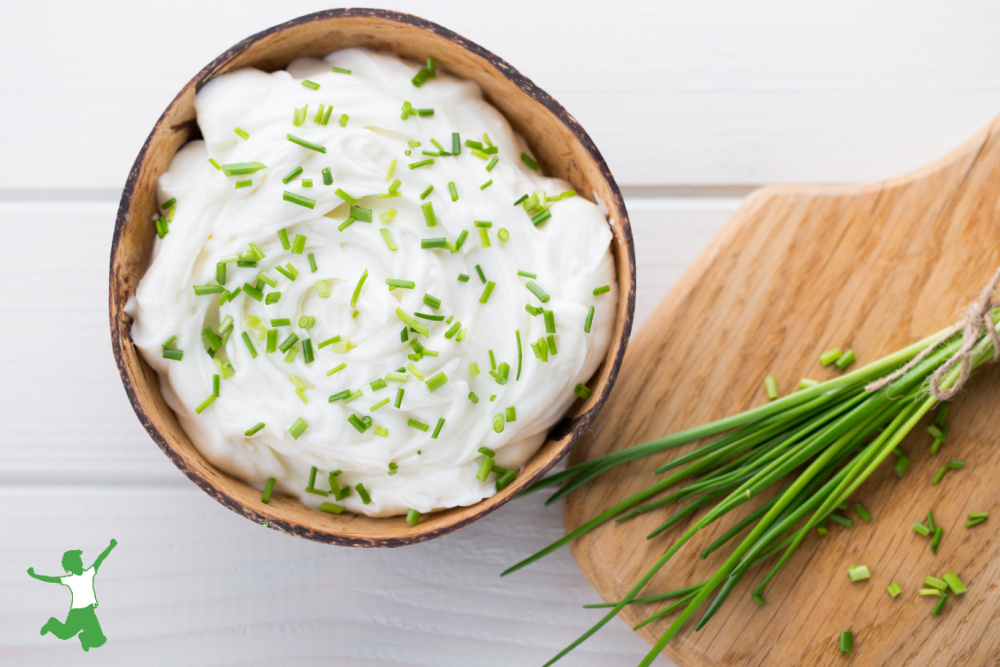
(572,426)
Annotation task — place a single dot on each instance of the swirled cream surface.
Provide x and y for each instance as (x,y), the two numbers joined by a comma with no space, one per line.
(423,374)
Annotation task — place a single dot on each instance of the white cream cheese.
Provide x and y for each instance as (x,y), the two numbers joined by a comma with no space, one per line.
(569,252)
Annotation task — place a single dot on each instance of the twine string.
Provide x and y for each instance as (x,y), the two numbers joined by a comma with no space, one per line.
(977,317)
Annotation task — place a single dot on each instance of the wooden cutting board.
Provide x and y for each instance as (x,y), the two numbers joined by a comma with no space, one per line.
(796,271)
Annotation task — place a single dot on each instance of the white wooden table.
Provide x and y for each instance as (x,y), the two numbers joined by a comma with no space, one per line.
(691,105)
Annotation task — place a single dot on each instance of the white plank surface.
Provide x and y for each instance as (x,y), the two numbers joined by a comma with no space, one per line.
(192,584)
(718,93)
(680,97)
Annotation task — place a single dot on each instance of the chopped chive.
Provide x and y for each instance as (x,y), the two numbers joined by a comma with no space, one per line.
(345,224)
(473,398)
(242,133)
(526,159)
(214,164)
(429,217)
(486,184)
(176,355)
(331,508)
(541,217)
(204,404)
(862,512)
(269,487)
(437,242)
(492,164)
(420,426)
(288,342)
(346,197)
(283,237)
(357,289)
(940,474)
(421,163)
(830,356)
(463,277)
(503,234)
(506,479)
(290,355)
(432,301)
(955,465)
(340,70)
(484,237)
(437,428)
(979,515)
(281,322)
(169,342)
(272,340)
(936,540)
(846,360)
(541,294)
(362,214)
(436,381)
(930,522)
(485,466)
(511,415)
(940,605)
(288,179)
(307,351)
(929,592)
(328,341)
(954,583)
(487,291)
(378,405)
(249,344)
(202,290)
(298,199)
(498,423)
(339,396)
(936,583)
(233,169)
(416,371)
(399,397)
(411,322)
(299,244)
(894,589)
(503,371)
(842,520)
(402,284)
(336,369)
(770,386)
(353,396)
(412,517)
(215,385)
(305,144)
(590,320)
(846,641)
(858,572)
(311,85)
(363,493)
(583,391)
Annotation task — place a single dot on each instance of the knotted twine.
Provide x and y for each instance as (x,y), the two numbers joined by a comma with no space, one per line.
(977,317)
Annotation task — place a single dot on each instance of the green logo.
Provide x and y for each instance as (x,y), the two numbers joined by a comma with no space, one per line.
(82,618)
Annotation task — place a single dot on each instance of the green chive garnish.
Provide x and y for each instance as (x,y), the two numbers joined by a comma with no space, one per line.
(412,517)
(498,424)
(402,284)
(486,184)
(357,290)
(858,572)
(541,294)
(241,133)
(249,344)
(590,320)
(437,428)
(583,391)
(604,289)
(526,159)
(298,199)
(305,144)
(421,163)
(437,380)
(346,197)
(204,404)
(770,382)
(487,291)
(420,426)
(202,290)
(269,487)
(331,508)
(846,641)
(463,277)
(283,237)
(503,234)
(845,360)
(429,217)
(170,353)
(411,322)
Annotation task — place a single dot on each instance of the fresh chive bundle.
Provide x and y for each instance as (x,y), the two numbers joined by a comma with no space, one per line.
(815,447)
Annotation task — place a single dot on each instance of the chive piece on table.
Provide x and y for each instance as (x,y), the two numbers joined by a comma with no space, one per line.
(771,387)
(846,641)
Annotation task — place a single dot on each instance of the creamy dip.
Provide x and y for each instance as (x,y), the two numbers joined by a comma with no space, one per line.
(399,450)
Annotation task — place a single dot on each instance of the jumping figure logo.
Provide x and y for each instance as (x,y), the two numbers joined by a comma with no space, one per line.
(82,618)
